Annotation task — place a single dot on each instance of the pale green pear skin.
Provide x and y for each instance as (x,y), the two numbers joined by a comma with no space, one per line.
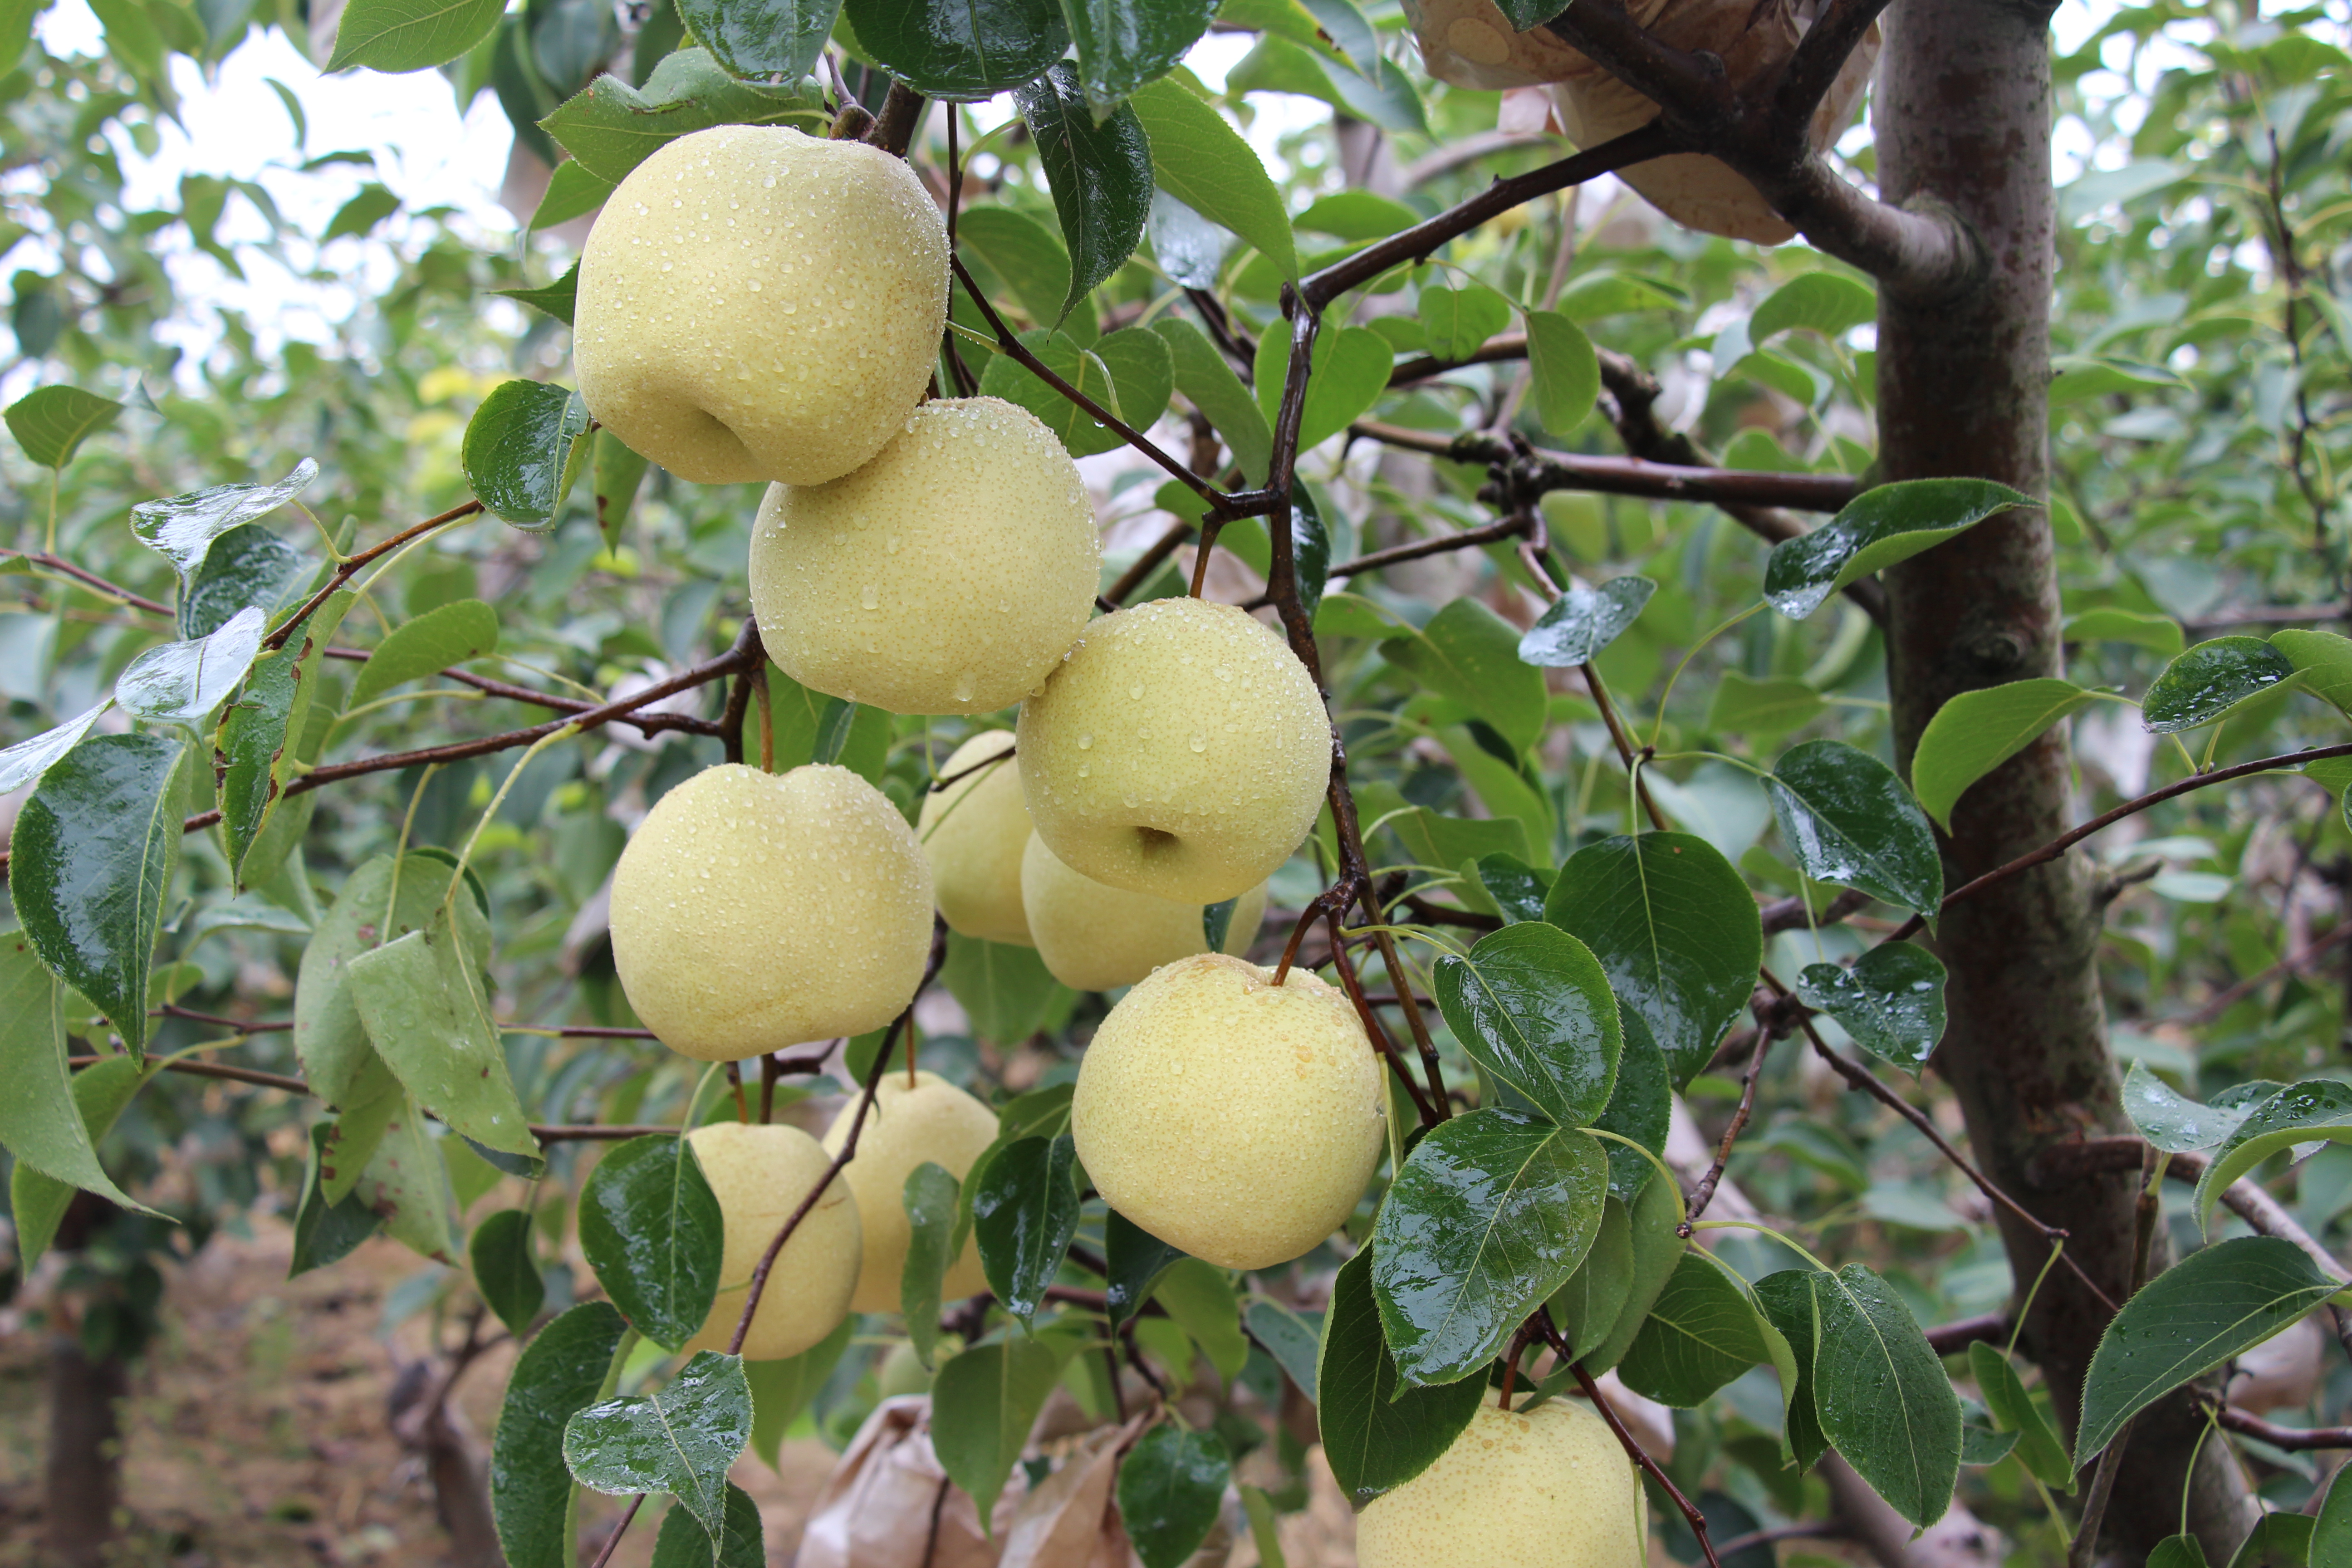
(1180,750)
(761,1175)
(1549,1488)
(974,833)
(751,912)
(755,303)
(1228,1116)
(931,1121)
(1096,937)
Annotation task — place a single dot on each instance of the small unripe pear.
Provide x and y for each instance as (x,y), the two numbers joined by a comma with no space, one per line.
(933,1121)
(759,304)
(1181,749)
(759,1176)
(751,912)
(1094,936)
(947,575)
(972,833)
(1551,1489)
(1231,1117)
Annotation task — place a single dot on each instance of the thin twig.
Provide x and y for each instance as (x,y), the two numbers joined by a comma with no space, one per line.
(614,1540)
(1704,1194)
(349,567)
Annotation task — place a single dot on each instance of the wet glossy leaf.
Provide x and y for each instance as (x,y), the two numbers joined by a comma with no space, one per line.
(1652,1217)
(1204,163)
(260,733)
(1025,1210)
(422,1001)
(1378,1433)
(2188,1320)
(44,1122)
(611,127)
(1007,378)
(1209,383)
(1457,322)
(1891,1001)
(1100,172)
(1882,1394)
(1587,1307)
(930,1196)
(764,38)
(560,1373)
(1641,1107)
(523,447)
(91,867)
(50,423)
(651,1229)
(410,35)
(506,1272)
(780,1389)
(1470,654)
(1188,246)
(1583,621)
(2039,1447)
(2324,659)
(2212,679)
(1289,1339)
(2174,1122)
(1786,1299)
(1122,44)
(1531,1004)
(1136,1258)
(1517,888)
(1701,1331)
(1170,1486)
(446,635)
(27,760)
(556,299)
(1310,549)
(187,680)
(1875,530)
(680,1440)
(982,1404)
(1676,930)
(2317,1109)
(1350,371)
(182,527)
(1848,820)
(326,1229)
(1975,732)
(683,1543)
(1563,372)
(247,566)
(1492,1212)
(963,50)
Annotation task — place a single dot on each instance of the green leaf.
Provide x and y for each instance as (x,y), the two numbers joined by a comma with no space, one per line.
(1517,888)
(780,1388)
(1891,1001)
(1458,321)
(1492,1212)
(1009,379)
(1357,215)
(1975,732)
(421,999)
(522,450)
(2173,1123)
(1122,44)
(1829,303)
(505,1271)
(680,1440)
(340,1064)
(2279,1539)
(51,422)
(650,1227)
(1587,1307)
(1378,1432)
(1170,1486)
(572,192)
(741,1543)
(261,733)
(2331,1535)
(47,1119)
(1471,655)
(1654,1215)
(1786,1300)
(2039,1447)
(247,565)
(2212,679)
(1142,370)
(1007,990)
(406,1183)
(1701,1331)
(1204,163)
(1563,370)
(768,38)
(1200,1299)
(1877,528)
(1349,370)
(1639,1108)
(2315,1111)
(326,1229)
(1028,259)
(1025,1211)
(1531,1004)
(557,298)
(184,681)
(2188,1320)
(982,1404)
(611,127)
(1209,383)
(27,760)
(181,529)
(930,1196)
(2324,659)
(1289,1339)
(357,219)
(1882,1394)
(1761,709)
(2111,624)
(616,473)
(446,635)
(411,35)
(560,1373)
(1099,173)
(962,50)
(1676,930)
(1848,820)
(352,1139)
(91,867)
(1377,91)
(1583,621)
(1136,1259)
(1189,248)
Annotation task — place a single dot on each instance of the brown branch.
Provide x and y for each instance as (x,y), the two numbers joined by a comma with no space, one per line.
(1790,914)
(645,723)
(90,578)
(1704,1194)
(2294,1439)
(349,567)
(170,1010)
(613,1541)
(195,1068)
(894,127)
(1951,1339)
(1523,476)
(2206,1012)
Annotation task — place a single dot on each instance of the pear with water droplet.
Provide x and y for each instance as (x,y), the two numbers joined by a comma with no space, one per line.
(751,912)
(759,1176)
(972,833)
(758,304)
(933,1121)
(1549,1488)
(1229,1116)
(1094,936)
(947,575)
(1181,749)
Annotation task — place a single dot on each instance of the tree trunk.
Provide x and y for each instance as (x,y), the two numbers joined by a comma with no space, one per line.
(1963,117)
(84,1459)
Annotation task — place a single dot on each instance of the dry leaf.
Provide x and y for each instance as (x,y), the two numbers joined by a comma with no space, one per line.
(877,1507)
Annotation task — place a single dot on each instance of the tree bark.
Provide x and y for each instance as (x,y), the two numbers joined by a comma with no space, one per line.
(84,1460)
(1963,115)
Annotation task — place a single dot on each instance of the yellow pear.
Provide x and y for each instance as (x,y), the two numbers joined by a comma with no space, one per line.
(758,304)
(761,1175)
(1181,749)
(947,575)
(972,833)
(933,1121)
(1231,1117)
(753,911)
(1094,936)
(1549,1488)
